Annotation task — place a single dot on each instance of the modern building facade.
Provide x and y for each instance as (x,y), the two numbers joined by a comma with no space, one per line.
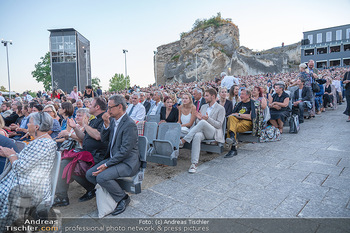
(70,60)
(328,47)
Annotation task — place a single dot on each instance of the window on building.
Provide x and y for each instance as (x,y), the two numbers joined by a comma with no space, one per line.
(348,33)
(321,64)
(347,47)
(346,61)
(334,63)
(328,36)
(319,38)
(334,49)
(322,50)
(309,52)
(338,35)
(63,49)
(310,37)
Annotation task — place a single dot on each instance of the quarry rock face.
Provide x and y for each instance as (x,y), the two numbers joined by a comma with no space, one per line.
(207,52)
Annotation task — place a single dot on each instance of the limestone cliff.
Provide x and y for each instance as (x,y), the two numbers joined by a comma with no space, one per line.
(217,49)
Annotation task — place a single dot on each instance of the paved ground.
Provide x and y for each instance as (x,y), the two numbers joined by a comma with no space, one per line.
(303,175)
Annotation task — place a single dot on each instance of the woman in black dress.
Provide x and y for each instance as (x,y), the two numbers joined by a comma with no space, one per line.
(278,104)
(168,113)
(328,95)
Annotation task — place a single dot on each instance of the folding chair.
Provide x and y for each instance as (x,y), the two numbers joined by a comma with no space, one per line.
(153,118)
(166,147)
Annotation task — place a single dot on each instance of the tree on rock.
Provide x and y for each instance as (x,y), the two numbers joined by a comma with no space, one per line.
(42,72)
(117,82)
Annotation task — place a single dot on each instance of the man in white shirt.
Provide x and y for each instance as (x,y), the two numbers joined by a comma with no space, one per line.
(228,81)
(337,85)
(136,110)
(27,97)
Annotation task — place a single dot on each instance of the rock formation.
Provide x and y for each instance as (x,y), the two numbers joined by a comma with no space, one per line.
(211,50)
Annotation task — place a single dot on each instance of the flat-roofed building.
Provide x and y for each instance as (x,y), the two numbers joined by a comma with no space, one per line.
(328,47)
(70,59)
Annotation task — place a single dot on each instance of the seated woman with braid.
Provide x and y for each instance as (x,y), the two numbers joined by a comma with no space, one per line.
(30,169)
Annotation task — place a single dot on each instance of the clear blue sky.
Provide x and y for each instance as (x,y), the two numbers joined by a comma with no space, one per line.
(142,26)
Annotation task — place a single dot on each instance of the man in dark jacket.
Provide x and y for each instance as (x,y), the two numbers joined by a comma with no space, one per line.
(301,99)
(122,153)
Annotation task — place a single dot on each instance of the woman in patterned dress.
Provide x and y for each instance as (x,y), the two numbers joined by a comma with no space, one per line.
(30,168)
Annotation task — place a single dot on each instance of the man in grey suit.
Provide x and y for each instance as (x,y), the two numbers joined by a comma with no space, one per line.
(121,132)
(209,126)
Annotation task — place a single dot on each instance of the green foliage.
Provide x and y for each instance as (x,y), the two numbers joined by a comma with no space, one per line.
(95,83)
(42,72)
(117,82)
(3,89)
(175,57)
(199,24)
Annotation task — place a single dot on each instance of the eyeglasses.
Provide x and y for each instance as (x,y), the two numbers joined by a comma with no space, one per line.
(47,111)
(110,107)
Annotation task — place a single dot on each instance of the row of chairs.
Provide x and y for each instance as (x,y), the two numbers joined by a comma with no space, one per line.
(164,142)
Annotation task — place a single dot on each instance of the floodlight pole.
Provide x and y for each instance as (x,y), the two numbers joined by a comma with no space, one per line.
(5,42)
(126,74)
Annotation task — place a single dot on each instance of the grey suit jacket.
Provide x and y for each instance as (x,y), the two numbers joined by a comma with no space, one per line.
(124,148)
(216,119)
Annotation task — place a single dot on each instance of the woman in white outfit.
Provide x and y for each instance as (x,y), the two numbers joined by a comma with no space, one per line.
(186,114)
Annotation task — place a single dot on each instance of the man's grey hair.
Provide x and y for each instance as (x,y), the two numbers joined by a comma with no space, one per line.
(159,94)
(84,111)
(198,90)
(119,99)
(79,100)
(137,94)
(223,74)
(43,120)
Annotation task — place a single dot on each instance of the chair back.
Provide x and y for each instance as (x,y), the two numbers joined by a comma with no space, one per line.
(170,132)
(150,131)
(20,145)
(143,144)
(54,175)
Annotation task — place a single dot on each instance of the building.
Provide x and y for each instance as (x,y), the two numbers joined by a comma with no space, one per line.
(70,59)
(328,47)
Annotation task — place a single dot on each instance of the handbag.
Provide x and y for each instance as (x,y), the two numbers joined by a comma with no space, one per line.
(68,144)
(270,134)
(294,126)
(315,87)
(105,203)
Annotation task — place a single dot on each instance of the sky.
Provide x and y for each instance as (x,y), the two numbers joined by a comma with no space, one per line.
(141,26)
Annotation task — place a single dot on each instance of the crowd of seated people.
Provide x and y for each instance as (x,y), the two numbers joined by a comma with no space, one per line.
(199,107)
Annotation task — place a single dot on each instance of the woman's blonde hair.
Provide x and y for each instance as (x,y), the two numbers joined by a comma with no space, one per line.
(190,97)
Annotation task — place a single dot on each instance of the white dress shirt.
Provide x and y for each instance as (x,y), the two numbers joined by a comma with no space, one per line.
(154,109)
(138,113)
(209,109)
(228,82)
